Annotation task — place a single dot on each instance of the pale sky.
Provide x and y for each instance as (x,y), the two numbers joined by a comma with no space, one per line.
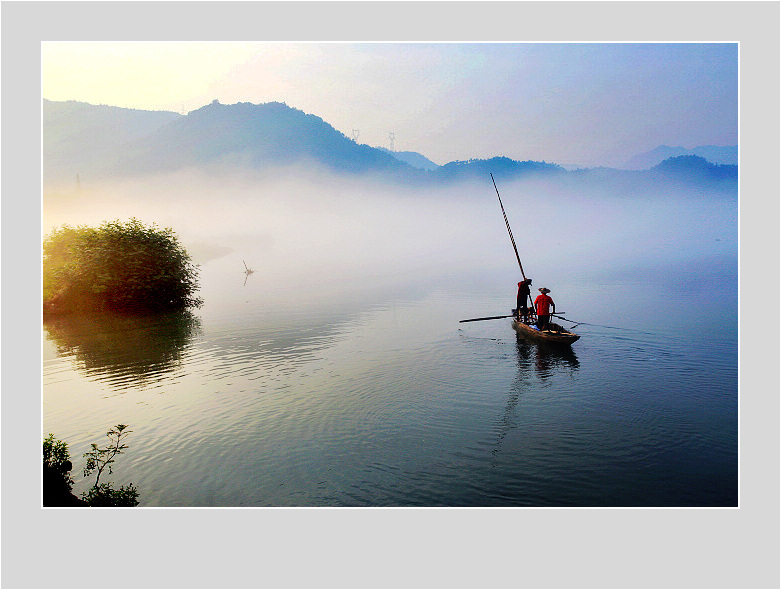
(572,104)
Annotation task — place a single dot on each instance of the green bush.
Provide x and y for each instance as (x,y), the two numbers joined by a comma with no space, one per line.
(57,482)
(101,495)
(100,459)
(124,267)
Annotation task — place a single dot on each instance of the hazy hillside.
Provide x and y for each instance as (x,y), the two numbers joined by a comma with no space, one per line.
(500,167)
(687,166)
(95,141)
(98,141)
(414,159)
(78,136)
(258,136)
(681,174)
(727,155)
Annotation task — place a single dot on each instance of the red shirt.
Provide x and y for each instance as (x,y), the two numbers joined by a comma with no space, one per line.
(542,304)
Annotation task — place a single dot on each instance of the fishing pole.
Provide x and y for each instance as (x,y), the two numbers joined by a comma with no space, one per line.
(585,323)
(588,324)
(510,231)
(507,223)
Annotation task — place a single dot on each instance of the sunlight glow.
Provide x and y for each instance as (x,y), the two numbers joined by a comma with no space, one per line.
(151,76)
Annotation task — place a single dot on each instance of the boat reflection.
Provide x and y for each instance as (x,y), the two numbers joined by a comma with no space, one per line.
(122,348)
(543,360)
(535,360)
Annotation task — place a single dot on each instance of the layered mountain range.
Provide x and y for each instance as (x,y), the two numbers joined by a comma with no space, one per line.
(101,141)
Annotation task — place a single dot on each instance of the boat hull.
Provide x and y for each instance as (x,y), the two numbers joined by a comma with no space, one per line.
(563,337)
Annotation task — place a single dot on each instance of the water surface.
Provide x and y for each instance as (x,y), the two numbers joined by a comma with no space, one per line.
(338,375)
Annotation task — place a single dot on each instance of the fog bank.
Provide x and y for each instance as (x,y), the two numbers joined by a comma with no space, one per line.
(323,231)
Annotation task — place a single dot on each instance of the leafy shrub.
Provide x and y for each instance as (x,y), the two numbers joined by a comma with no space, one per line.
(99,459)
(123,267)
(57,482)
(101,495)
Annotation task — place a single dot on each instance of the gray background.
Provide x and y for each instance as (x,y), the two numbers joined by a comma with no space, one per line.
(451,548)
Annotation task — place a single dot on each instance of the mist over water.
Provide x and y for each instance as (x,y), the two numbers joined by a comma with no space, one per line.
(320,224)
(341,363)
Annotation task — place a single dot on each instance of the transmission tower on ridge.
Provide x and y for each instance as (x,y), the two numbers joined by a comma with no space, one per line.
(392,137)
(356,134)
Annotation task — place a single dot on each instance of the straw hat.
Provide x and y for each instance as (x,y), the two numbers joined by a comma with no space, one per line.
(544,290)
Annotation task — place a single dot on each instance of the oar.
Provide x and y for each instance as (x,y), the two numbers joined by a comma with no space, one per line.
(493,317)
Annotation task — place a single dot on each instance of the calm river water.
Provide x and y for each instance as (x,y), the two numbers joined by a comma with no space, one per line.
(327,385)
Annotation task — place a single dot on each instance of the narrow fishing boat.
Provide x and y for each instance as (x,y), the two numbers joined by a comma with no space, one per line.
(527,327)
(553,333)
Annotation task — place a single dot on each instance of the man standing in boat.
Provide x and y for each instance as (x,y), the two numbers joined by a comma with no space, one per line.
(522,309)
(543,305)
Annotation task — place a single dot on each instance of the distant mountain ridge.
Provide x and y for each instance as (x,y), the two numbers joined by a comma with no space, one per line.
(414,159)
(269,134)
(77,136)
(264,135)
(101,141)
(715,154)
(500,167)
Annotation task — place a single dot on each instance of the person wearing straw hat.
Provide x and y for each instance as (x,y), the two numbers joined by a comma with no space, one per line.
(543,304)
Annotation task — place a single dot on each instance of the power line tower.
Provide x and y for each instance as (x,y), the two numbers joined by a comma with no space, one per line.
(356,134)
(392,137)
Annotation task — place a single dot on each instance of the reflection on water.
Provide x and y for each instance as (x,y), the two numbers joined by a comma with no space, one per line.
(544,359)
(539,361)
(124,349)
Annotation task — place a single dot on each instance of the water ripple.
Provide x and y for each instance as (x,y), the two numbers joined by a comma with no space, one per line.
(394,407)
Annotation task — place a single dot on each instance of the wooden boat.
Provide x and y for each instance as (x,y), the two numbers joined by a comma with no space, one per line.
(526,325)
(554,333)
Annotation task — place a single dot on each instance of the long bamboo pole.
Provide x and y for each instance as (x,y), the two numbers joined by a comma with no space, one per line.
(512,239)
(507,223)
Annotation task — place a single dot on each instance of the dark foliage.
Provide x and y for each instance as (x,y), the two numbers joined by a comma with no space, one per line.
(102,459)
(57,458)
(57,482)
(103,495)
